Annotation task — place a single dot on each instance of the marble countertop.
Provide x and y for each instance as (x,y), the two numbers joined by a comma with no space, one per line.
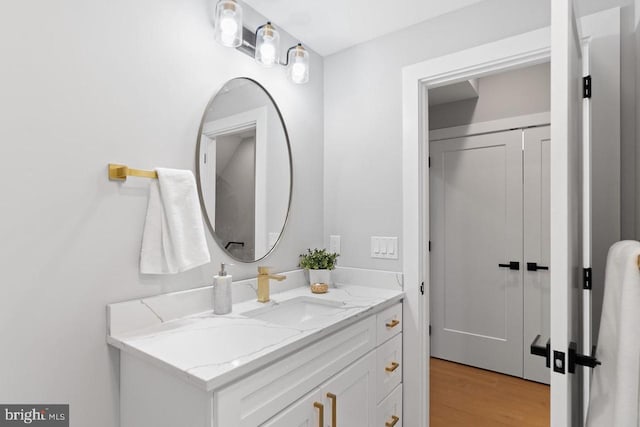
(211,351)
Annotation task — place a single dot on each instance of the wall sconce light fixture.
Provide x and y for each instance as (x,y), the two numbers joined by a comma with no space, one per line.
(228,30)
(263,44)
(267,49)
(298,64)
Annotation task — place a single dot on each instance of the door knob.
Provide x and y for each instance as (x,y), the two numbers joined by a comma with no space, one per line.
(533,266)
(513,265)
(539,350)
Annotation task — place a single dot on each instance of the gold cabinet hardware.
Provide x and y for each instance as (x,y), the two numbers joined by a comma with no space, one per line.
(393,323)
(320,408)
(392,367)
(334,409)
(394,421)
(121,172)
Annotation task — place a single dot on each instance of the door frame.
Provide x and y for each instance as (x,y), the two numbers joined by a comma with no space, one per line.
(258,118)
(513,52)
(507,54)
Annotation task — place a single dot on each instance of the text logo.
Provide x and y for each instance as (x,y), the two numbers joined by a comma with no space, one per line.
(34,415)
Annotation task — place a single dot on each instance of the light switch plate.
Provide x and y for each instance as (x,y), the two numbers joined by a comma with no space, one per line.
(334,244)
(384,247)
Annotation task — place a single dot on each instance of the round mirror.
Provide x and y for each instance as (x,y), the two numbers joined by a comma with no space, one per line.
(244,170)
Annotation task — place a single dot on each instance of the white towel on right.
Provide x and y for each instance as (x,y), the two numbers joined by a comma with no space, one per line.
(615,387)
(173,239)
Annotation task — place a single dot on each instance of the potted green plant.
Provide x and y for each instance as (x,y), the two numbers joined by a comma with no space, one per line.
(319,263)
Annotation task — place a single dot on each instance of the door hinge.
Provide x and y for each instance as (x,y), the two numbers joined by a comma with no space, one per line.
(586,278)
(429,330)
(429,161)
(422,288)
(429,245)
(586,87)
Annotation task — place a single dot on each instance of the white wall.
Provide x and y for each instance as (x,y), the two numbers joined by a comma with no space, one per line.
(513,93)
(84,83)
(363,116)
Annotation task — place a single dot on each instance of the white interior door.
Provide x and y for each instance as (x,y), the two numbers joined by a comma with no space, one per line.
(476,255)
(536,248)
(566,209)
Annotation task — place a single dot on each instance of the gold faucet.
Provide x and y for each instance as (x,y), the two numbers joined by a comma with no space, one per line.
(263,283)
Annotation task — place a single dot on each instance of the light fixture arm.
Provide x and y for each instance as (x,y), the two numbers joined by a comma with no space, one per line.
(286,64)
(248,47)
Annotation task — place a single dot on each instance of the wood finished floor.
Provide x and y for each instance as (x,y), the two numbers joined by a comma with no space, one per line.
(463,396)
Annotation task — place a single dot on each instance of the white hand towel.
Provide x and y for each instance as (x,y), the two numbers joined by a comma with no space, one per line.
(615,388)
(174,239)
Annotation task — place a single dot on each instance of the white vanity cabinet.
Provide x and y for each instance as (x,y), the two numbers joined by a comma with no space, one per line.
(347,399)
(349,378)
(366,393)
(389,367)
(354,371)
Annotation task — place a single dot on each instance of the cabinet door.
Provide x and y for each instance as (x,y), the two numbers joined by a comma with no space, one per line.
(476,251)
(537,215)
(351,395)
(304,413)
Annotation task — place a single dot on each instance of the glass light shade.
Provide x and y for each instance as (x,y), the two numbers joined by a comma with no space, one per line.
(267,45)
(298,68)
(228,23)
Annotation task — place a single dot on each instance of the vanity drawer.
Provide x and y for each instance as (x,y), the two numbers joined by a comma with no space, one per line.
(388,366)
(258,397)
(389,323)
(389,411)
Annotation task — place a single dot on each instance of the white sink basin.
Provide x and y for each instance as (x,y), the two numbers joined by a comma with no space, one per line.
(296,311)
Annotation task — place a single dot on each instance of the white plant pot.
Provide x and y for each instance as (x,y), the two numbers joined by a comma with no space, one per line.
(320,276)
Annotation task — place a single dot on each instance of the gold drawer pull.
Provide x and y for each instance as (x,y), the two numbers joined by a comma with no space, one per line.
(320,408)
(392,367)
(394,421)
(334,409)
(393,323)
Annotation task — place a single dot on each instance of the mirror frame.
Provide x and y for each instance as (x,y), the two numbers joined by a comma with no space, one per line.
(199,185)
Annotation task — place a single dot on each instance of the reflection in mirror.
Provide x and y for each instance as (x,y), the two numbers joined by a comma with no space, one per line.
(244,170)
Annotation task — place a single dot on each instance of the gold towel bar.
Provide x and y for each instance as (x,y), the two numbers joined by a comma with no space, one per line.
(121,172)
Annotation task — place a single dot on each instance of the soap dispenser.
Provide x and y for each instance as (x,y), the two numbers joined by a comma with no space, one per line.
(222,292)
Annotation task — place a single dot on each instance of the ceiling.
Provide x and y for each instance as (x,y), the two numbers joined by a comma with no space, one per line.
(328,26)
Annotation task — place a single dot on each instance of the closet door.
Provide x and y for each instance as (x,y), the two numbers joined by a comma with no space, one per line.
(476,251)
(536,249)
